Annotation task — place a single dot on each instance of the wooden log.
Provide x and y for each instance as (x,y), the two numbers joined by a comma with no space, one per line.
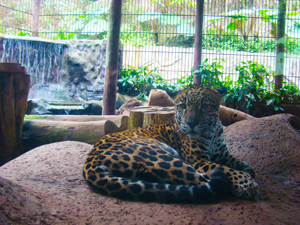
(119,120)
(147,115)
(157,117)
(48,130)
(159,97)
(14,88)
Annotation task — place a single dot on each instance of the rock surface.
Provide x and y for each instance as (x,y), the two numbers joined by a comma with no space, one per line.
(158,97)
(45,185)
(68,70)
(126,107)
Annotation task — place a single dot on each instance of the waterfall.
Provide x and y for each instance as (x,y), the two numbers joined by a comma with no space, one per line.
(43,61)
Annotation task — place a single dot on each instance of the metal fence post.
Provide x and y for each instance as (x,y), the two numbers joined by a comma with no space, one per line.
(280,45)
(35,19)
(198,40)
(111,75)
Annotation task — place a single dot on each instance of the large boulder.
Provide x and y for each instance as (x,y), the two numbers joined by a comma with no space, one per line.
(45,185)
(158,97)
(37,107)
(126,107)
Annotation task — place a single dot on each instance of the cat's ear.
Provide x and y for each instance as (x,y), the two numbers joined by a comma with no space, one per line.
(222,90)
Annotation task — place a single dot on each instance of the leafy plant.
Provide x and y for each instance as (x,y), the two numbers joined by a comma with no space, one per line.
(210,74)
(254,85)
(64,35)
(292,24)
(24,33)
(253,81)
(139,82)
(288,94)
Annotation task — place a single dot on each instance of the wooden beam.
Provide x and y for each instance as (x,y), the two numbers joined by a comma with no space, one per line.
(14,89)
(279,71)
(198,40)
(111,75)
(35,19)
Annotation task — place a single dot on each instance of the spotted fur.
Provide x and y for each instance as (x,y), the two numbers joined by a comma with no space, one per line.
(183,160)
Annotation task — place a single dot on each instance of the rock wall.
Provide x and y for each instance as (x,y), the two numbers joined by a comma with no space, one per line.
(60,70)
(84,68)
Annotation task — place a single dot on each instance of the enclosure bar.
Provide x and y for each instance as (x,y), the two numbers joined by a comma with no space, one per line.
(111,74)
(279,69)
(198,40)
(35,18)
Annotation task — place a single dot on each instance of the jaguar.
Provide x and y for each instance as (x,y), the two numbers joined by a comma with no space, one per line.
(184,160)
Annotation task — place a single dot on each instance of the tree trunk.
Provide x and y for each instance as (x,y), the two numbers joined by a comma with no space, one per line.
(198,40)
(279,70)
(14,89)
(111,74)
(147,115)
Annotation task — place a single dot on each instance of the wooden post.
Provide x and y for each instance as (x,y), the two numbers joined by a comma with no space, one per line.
(14,88)
(147,115)
(35,18)
(198,40)
(111,75)
(280,45)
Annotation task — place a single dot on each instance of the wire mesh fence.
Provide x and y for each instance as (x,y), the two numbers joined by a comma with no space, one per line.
(15,17)
(161,33)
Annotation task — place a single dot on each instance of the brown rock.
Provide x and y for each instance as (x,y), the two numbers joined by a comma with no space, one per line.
(230,116)
(159,97)
(53,191)
(125,108)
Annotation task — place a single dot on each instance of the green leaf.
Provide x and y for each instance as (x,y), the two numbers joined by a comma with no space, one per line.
(232,26)
(240,98)
(277,98)
(271,101)
(248,105)
(213,18)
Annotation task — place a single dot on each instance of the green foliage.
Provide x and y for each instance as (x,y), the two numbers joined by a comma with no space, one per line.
(139,82)
(253,86)
(184,82)
(64,35)
(253,81)
(230,40)
(130,36)
(287,94)
(24,33)
(210,74)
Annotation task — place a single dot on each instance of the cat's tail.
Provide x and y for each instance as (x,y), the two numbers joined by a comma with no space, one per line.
(102,181)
